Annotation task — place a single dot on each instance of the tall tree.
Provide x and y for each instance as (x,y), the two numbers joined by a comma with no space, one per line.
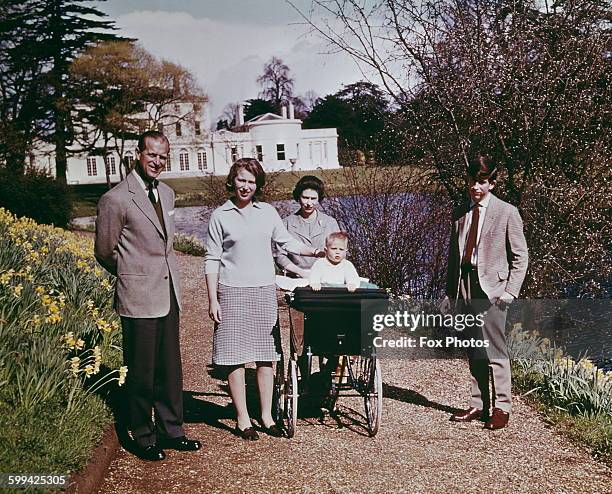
(23,61)
(72,27)
(276,83)
(123,89)
(257,106)
(364,119)
(40,39)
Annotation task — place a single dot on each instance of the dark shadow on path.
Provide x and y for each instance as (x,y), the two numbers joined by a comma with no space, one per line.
(198,411)
(410,396)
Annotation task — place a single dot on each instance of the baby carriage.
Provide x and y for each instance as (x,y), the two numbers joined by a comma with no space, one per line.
(335,326)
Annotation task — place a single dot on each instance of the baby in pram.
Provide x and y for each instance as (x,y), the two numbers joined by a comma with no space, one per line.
(334,268)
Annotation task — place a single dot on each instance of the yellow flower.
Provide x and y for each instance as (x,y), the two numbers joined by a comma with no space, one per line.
(69,340)
(53,318)
(122,373)
(74,365)
(17,290)
(89,370)
(97,354)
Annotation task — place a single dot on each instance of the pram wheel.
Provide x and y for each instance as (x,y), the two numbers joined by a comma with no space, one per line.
(285,399)
(367,380)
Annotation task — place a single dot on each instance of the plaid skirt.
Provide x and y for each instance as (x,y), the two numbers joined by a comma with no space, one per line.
(247,331)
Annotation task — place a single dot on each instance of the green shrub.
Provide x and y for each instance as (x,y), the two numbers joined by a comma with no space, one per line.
(189,244)
(35,195)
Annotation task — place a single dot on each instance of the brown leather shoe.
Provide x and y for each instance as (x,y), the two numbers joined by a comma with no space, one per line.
(468,415)
(498,420)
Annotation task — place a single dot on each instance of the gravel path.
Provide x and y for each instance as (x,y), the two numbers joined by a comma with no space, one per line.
(416,450)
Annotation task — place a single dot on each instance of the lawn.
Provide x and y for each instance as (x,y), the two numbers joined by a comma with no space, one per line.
(197,191)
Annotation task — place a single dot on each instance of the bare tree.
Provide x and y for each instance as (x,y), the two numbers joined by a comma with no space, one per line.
(276,83)
(527,82)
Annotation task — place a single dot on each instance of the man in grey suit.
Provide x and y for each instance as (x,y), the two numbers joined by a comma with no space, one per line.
(134,242)
(486,268)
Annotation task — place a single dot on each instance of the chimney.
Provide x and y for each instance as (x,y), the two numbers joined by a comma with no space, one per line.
(240,115)
(284,111)
(291,111)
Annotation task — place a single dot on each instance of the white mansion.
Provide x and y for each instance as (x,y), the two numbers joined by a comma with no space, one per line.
(277,141)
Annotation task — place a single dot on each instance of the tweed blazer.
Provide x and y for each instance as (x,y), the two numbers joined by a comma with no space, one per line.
(321,228)
(502,250)
(132,245)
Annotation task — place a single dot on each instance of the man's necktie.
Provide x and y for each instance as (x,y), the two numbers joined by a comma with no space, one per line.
(156,204)
(152,187)
(472,235)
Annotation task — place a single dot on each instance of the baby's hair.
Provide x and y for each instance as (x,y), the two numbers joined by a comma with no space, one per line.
(336,236)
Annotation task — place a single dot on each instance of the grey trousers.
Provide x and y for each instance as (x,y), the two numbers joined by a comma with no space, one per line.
(488,366)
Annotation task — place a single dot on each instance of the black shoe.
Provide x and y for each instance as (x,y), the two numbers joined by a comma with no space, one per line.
(274,431)
(150,453)
(248,434)
(181,443)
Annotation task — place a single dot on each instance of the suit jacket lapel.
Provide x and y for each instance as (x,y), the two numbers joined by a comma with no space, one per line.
(165,198)
(490,216)
(461,228)
(141,200)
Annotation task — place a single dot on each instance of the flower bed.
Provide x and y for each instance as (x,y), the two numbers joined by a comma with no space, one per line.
(574,394)
(60,348)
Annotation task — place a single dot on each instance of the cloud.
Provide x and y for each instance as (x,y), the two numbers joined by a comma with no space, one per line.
(227,57)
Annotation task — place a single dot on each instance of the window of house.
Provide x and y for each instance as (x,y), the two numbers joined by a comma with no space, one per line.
(177,107)
(259,152)
(197,107)
(297,150)
(92,168)
(128,159)
(168,165)
(196,126)
(110,164)
(202,162)
(179,130)
(280,152)
(234,152)
(184,160)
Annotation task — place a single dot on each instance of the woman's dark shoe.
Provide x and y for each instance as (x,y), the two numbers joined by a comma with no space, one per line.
(248,434)
(274,431)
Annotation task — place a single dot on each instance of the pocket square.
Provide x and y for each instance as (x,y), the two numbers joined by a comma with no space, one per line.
(171,213)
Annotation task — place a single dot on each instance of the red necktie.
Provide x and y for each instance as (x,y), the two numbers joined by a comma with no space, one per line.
(472,235)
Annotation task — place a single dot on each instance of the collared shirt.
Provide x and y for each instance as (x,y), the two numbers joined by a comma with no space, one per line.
(145,186)
(484,204)
(238,244)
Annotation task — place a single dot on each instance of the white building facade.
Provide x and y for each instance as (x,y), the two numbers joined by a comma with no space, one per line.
(277,141)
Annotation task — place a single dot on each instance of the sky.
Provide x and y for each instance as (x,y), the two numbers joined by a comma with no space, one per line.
(225,44)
